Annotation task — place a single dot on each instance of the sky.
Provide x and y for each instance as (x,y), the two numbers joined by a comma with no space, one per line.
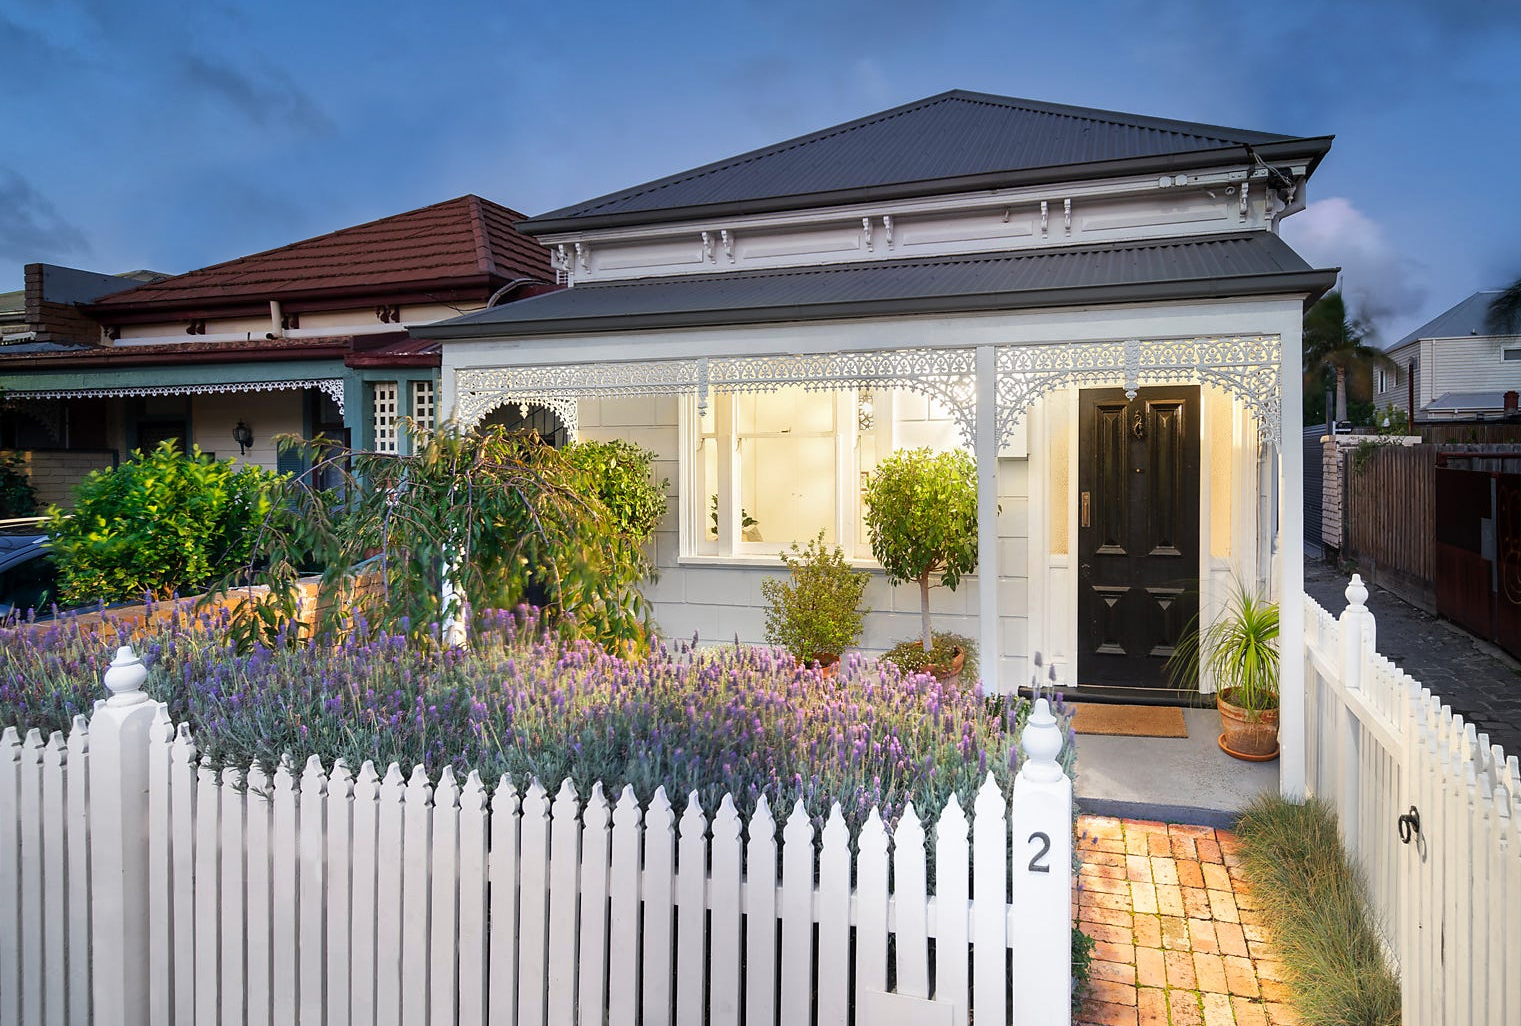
(173,134)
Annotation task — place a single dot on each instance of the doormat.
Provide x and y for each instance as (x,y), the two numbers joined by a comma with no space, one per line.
(1129,720)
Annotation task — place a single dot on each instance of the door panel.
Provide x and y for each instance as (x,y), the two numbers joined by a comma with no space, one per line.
(1138,531)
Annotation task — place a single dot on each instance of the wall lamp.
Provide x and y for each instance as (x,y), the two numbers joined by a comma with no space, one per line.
(243,435)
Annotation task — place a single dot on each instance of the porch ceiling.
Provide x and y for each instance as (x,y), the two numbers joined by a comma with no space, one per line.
(1249,264)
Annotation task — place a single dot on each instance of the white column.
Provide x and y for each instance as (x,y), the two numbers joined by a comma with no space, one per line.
(1291,727)
(119,940)
(986,453)
(1041,818)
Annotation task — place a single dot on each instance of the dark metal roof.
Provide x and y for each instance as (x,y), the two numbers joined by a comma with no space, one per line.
(1253,263)
(951,142)
(1462,321)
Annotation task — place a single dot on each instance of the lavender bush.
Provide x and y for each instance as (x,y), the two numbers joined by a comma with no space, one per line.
(523,703)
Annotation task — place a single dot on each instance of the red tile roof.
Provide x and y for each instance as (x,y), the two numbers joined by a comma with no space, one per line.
(464,241)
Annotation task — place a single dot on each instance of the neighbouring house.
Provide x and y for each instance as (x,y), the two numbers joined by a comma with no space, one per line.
(1452,369)
(310,339)
(60,442)
(1097,305)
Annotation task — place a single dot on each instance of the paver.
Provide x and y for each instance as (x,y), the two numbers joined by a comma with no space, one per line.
(1178,939)
(1479,682)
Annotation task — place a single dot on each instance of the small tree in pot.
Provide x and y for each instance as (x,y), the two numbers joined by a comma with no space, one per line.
(817,614)
(922,514)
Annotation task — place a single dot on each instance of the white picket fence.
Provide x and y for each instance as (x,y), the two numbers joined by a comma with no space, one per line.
(138,886)
(1381,747)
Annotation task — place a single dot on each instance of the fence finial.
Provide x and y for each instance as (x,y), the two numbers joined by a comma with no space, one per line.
(1357,592)
(124,678)
(1042,740)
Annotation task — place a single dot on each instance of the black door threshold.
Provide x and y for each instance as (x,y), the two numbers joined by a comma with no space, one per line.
(1101,695)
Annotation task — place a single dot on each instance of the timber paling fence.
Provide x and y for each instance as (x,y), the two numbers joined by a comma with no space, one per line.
(137,885)
(1432,813)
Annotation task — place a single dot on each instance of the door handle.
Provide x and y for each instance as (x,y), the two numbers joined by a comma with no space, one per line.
(1084,519)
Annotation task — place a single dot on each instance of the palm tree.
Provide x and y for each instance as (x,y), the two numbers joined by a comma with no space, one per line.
(1336,341)
(1504,316)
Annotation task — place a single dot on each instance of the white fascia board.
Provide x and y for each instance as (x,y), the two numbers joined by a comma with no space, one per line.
(1201,319)
(949,203)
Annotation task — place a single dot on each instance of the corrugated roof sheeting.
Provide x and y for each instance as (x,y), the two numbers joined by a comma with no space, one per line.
(789,293)
(1463,320)
(952,135)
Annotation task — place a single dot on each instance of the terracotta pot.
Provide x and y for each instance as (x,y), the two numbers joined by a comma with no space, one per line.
(951,672)
(827,662)
(1252,737)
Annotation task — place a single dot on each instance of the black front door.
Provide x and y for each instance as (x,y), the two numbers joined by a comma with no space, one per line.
(1138,531)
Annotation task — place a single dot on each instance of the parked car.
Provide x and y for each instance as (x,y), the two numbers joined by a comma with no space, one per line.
(28,578)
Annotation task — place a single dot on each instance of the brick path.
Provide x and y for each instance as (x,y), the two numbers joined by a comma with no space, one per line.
(1479,681)
(1179,939)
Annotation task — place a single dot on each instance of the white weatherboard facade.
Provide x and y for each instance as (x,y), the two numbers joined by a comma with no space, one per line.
(1004,383)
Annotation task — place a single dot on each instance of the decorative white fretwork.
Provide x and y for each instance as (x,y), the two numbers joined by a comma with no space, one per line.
(1245,366)
(947,375)
(332,387)
(561,405)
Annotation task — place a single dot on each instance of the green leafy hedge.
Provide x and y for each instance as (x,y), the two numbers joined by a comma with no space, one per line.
(162,523)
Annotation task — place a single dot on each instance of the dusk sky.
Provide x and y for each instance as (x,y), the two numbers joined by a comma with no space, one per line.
(171,134)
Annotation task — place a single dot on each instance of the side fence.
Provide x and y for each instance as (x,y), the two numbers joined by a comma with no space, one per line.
(138,886)
(1432,813)
(1389,512)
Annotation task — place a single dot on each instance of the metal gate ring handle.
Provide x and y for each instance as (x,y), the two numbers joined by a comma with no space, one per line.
(1409,825)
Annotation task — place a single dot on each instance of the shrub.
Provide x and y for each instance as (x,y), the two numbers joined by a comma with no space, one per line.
(1315,903)
(17,497)
(818,611)
(522,703)
(922,515)
(620,472)
(161,523)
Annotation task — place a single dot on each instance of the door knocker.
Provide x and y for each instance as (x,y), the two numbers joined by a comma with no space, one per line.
(1138,427)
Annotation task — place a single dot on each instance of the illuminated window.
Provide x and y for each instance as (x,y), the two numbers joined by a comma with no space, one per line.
(774,468)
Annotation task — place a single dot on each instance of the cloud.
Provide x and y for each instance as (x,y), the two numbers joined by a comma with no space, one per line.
(1380,283)
(273,99)
(30,229)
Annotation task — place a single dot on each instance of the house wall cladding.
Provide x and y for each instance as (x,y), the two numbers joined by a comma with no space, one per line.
(268,414)
(55,473)
(719,600)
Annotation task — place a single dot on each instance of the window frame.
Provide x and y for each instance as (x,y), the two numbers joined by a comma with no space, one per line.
(729,548)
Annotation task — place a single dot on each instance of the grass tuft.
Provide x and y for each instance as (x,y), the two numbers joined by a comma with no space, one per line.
(1315,903)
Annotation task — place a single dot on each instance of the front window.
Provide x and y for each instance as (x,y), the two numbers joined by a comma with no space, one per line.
(773,468)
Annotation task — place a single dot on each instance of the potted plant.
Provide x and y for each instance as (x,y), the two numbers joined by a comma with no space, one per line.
(816,615)
(921,509)
(1240,651)
(946,659)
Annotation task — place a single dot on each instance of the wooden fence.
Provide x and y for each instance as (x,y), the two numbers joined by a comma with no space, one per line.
(1388,505)
(137,885)
(1432,813)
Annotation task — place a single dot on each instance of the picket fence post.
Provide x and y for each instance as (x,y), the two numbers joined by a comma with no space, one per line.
(1041,815)
(1356,641)
(119,845)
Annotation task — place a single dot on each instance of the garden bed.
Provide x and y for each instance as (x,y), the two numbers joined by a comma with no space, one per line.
(523,703)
